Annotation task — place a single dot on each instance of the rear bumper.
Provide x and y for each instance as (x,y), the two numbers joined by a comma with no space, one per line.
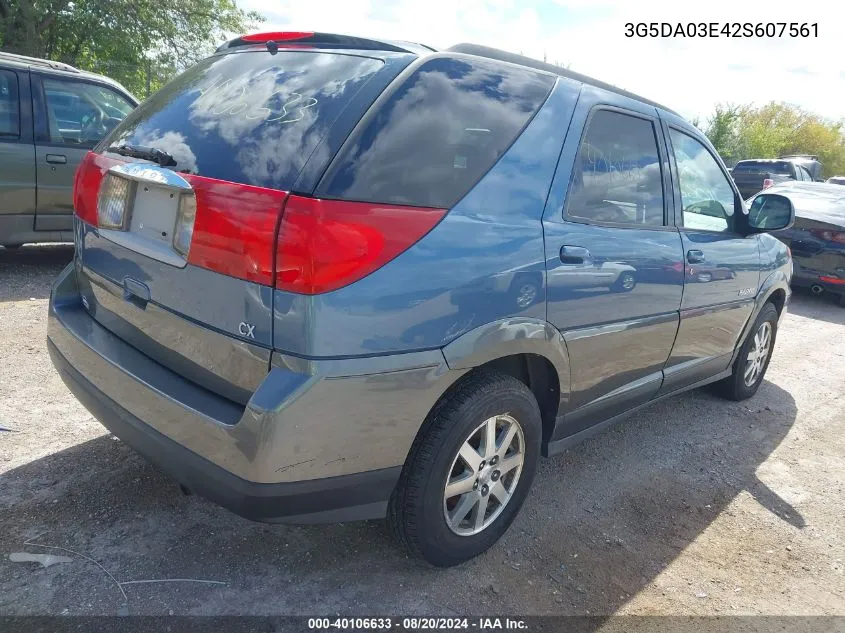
(318,441)
(349,497)
(814,279)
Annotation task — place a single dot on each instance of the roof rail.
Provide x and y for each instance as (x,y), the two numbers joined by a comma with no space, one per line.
(504,56)
(804,156)
(35,61)
(317,40)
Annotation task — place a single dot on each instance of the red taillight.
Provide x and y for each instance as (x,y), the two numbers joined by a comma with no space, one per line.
(86,185)
(277,36)
(324,245)
(767,182)
(828,235)
(832,280)
(235,228)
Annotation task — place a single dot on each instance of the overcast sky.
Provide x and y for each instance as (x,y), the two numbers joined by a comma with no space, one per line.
(688,75)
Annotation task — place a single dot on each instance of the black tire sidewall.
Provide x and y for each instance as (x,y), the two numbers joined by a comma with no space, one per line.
(438,543)
(743,391)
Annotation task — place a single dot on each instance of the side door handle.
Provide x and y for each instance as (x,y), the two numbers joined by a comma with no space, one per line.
(695,257)
(574,254)
(56,159)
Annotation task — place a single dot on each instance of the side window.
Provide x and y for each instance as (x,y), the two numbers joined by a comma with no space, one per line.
(10,122)
(438,133)
(81,113)
(805,175)
(707,197)
(616,176)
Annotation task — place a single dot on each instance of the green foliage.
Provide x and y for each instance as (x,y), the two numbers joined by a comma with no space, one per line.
(776,129)
(141,43)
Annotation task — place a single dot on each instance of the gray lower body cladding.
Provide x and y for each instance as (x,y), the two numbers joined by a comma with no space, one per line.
(317,441)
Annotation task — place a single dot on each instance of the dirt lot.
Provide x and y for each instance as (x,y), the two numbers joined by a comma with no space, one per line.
(694,506)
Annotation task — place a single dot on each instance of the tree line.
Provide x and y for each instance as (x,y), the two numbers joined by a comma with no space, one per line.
(775,129)
(140,43)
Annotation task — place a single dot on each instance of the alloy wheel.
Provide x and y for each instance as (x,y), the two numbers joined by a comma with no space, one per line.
(757,355)
(484,475)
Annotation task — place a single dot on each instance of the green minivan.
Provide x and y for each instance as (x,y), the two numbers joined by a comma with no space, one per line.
(51,114)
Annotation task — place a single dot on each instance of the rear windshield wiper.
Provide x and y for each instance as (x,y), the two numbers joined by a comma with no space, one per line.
(146,153)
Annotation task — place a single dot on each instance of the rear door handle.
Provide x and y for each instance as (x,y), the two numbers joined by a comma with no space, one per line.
(57,159)
(695,257)
(574,254)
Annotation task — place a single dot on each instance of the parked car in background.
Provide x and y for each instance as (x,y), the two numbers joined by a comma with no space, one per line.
(836,180)
(810,162)
(817,239)
(757,174)
(51,114)
(325,278)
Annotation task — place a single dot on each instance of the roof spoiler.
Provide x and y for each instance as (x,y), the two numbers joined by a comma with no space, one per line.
(298,39)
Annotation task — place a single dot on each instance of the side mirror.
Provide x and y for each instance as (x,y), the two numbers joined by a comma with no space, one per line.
(770,212)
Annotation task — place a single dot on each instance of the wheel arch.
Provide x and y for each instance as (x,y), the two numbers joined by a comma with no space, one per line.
(775,290)
(530,350)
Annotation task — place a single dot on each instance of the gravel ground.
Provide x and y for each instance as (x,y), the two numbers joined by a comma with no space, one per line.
(695,506)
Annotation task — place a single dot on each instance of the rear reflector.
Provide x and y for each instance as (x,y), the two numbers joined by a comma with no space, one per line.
(324,245)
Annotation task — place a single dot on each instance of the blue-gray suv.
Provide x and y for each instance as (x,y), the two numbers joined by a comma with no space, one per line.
(323,278)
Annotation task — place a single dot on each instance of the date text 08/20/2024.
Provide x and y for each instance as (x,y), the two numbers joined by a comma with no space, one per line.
(418,624)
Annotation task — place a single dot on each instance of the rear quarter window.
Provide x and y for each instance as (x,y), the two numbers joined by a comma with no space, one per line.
(249,117)
(437,134)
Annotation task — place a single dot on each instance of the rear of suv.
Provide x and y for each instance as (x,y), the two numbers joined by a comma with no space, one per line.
(323,278)
(51,115)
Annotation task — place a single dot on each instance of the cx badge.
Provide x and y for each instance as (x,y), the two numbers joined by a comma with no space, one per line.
(247,330)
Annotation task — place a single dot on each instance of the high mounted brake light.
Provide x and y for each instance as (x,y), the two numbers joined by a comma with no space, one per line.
(277,36)
(311,39)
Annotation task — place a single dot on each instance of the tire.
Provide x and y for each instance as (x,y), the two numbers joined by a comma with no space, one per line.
(626,282)
(418,508)
(735,387)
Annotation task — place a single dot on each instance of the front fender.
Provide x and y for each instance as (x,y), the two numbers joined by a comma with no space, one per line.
(507,337)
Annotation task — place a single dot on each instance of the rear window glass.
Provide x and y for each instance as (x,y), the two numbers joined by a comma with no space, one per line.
(437,134)
(248,117)
(772,168)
